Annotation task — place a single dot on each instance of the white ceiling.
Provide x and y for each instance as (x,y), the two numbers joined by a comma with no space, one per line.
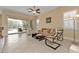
(23,9)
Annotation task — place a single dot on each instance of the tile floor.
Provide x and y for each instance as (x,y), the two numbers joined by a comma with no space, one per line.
(22,43)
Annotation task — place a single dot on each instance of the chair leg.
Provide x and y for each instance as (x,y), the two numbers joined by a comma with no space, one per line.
(52,46)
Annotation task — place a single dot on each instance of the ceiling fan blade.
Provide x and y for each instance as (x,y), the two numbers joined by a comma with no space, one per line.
(29,10)
(37,9)
(38,12)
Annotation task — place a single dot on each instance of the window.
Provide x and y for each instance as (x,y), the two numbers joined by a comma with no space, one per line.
(68,19)
(68,24)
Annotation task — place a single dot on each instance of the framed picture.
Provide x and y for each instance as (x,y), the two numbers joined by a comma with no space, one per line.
(48,20)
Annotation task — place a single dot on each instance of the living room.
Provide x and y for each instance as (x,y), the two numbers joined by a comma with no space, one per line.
(49,17)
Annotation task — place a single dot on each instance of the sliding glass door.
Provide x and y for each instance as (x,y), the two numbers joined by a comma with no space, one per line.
(14,24)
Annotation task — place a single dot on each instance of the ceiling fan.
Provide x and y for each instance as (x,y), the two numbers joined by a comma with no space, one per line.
(34,10)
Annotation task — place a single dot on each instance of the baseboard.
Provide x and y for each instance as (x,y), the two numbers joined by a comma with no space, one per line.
(71,39)
(16,33)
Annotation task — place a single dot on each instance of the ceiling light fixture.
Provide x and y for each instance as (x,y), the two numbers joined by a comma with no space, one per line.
(34,10)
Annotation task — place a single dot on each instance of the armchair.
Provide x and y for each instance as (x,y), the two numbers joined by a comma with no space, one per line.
(51,38)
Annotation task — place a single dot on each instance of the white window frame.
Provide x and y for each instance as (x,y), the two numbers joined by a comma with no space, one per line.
(69,19)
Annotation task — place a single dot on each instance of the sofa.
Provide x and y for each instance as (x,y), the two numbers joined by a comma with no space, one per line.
(43,32)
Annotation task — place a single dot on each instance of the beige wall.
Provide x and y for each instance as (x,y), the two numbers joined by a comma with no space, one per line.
(57,20)
(5,24)
(0,20)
